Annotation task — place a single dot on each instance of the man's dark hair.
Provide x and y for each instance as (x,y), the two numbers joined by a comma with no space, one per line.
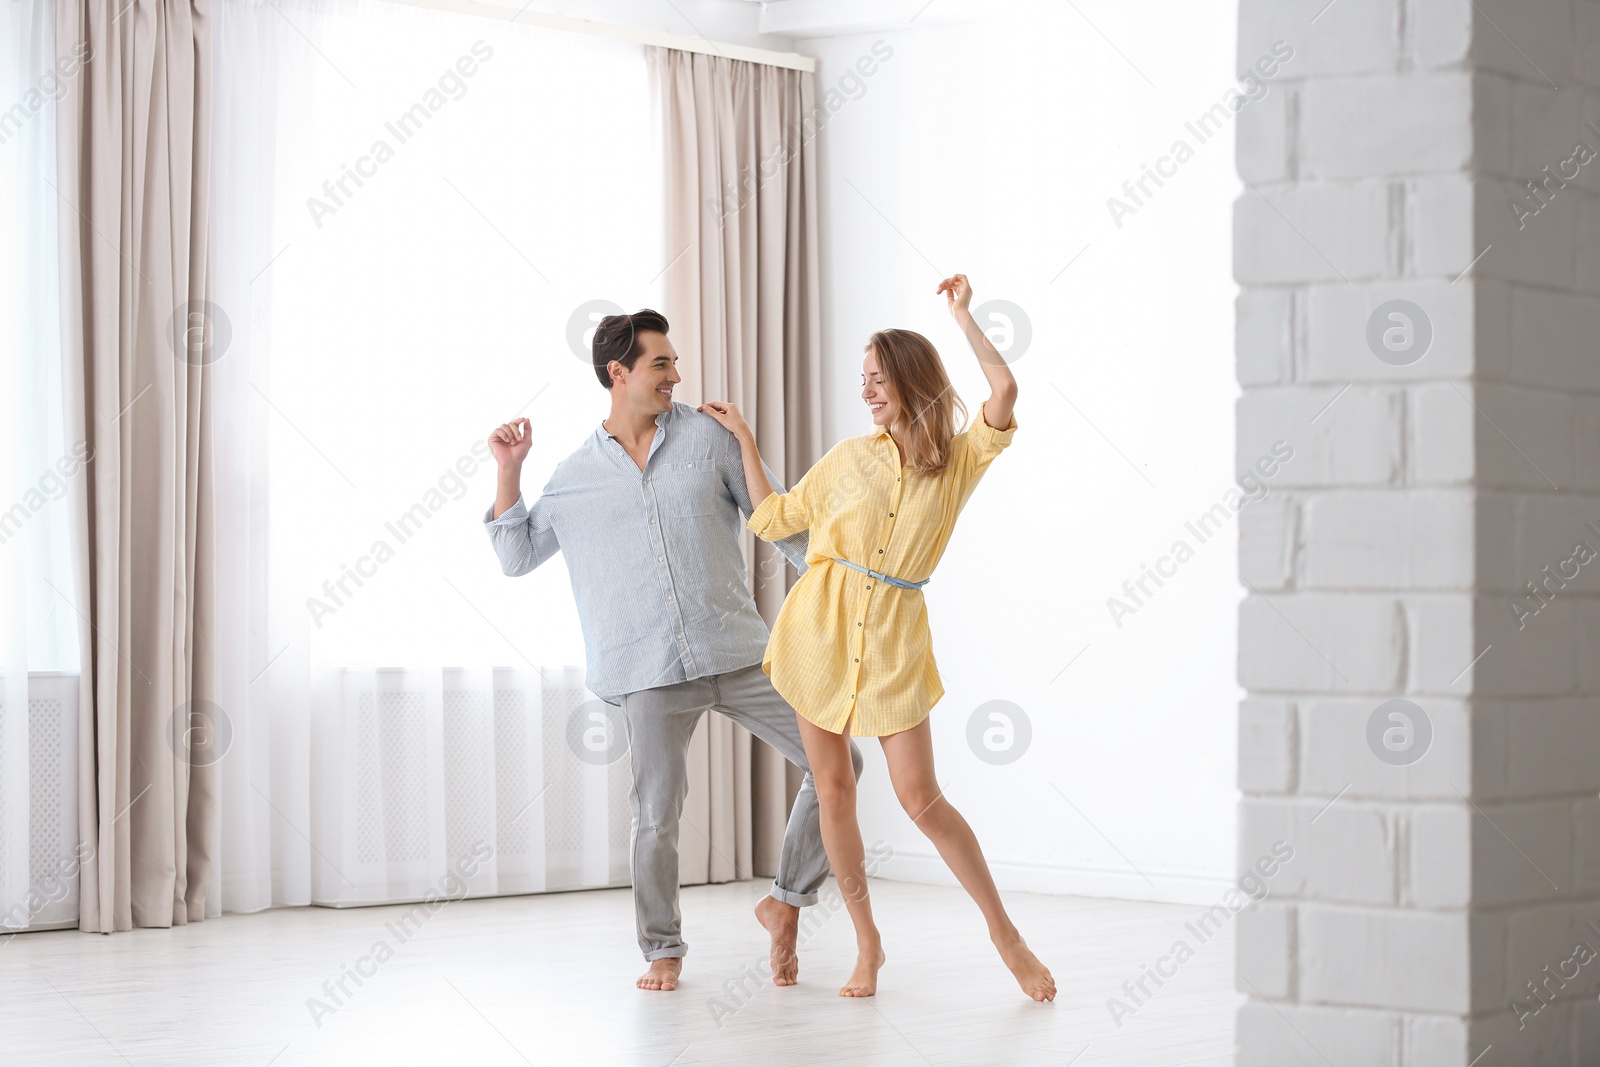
(617,338)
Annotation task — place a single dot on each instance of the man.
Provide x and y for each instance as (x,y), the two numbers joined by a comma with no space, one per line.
(648,512)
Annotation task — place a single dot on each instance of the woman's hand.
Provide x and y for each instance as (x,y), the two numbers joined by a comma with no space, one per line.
(510,442)
(755,477)
(728,415)
(958,293)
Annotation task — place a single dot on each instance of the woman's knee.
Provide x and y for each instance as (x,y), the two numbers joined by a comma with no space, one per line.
(921,802)
(835,792)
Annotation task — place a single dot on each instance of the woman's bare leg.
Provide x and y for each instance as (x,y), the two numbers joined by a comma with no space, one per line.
(835,780)
(910,757)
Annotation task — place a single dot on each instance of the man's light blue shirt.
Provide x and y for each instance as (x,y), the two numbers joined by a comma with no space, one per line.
(653,554)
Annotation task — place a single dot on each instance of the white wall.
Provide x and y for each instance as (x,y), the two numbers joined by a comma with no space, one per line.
(992,148)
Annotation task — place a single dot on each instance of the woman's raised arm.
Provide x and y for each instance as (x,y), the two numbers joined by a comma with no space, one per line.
(1002,385)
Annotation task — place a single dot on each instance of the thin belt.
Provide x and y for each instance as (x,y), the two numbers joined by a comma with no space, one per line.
(901,582)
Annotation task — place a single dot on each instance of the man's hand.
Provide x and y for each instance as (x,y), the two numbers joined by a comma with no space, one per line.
(510,442)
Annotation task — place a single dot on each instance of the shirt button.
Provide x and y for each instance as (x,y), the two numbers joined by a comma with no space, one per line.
(691,464)
(880,551)
(661,559)
(858,624)
(652,522)
(679,636)
(891,515)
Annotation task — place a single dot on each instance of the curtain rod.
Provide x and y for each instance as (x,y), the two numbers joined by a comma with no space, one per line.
(790,60)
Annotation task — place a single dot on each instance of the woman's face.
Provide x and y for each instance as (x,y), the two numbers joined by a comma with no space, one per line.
(875,392)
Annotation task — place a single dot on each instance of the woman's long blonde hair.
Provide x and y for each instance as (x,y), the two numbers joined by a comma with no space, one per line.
(927,418)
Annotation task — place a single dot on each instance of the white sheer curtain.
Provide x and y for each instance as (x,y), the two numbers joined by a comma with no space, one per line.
(38,628)
(412,210)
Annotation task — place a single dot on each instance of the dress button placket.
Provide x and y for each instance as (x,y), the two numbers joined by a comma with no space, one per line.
(861,635)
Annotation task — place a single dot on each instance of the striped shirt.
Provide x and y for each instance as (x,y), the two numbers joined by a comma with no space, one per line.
(653,555)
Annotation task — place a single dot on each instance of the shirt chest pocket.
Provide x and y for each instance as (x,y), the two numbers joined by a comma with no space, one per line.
(689,487)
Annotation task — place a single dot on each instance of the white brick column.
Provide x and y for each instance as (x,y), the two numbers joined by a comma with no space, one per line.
(1435,537)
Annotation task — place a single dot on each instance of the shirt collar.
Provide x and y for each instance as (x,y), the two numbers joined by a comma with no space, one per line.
(603,432)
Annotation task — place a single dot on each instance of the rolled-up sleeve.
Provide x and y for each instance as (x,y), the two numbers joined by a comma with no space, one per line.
(782,514)
(521,539)
(983,443)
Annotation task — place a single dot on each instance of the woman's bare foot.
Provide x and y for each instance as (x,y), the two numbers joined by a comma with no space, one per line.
(782,921)
(864,979)
(663,974)
(1031,975)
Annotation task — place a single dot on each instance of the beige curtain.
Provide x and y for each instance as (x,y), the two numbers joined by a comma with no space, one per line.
(742,297)
(133,142)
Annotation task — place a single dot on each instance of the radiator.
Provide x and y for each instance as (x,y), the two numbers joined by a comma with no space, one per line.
(416,774)
(41,871)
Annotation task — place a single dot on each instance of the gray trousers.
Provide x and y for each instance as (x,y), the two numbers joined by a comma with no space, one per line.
(660,723)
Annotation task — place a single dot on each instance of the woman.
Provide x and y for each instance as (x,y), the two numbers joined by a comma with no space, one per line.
(850,649)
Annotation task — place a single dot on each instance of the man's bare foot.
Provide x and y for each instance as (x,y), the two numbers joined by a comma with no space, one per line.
(1031,975)
(864,979)
(782,921)
(663,974)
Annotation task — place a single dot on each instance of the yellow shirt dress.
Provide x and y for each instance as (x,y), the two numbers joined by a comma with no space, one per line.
(850,652)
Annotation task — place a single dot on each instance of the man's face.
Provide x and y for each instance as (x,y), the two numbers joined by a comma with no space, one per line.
(649,385)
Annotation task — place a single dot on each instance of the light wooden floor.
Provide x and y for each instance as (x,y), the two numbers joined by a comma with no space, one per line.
(549,980)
